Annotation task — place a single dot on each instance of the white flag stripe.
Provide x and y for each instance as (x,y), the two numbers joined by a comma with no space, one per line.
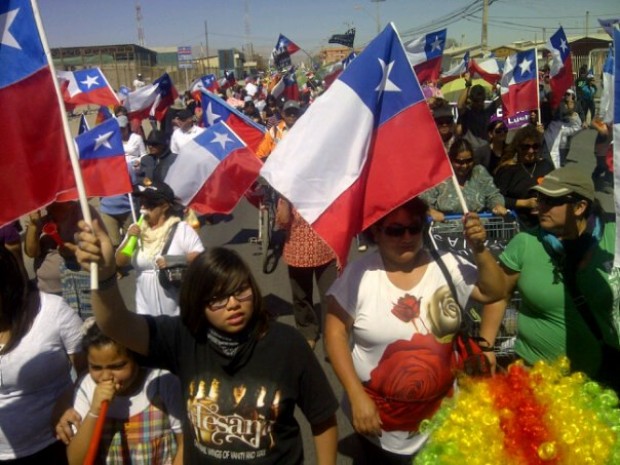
(353,136)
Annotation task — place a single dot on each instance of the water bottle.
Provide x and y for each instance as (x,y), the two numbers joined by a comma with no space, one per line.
(130,247)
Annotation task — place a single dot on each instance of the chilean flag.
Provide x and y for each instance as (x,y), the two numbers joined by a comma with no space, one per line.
(561,72)
(488,70)
(519,84)
(379,149)
(86,86)
(425,55)
(34,166)
(152,99)
(102,159)
(215,110)
(217,169)
(287,86)
(102,114)
(456,71)
(606,109)
(282,51)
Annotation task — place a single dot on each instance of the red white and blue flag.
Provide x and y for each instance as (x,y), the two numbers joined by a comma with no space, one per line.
(607,96)
(488,70)
(217,169)
(282,52)
(456,71)
(102,160)
(86,86)
(561,66)
(226,81)
(215,110)
(206,82)
(425,55)
(519,83)
(352,157)
(151,100)
(102,114)
(35,164)
(616,134)
(287,86)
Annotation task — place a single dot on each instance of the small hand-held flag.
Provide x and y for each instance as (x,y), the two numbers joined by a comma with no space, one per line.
(561,66)
(345,39)
(282,52)
(519,84)
(425,54)
(86,86)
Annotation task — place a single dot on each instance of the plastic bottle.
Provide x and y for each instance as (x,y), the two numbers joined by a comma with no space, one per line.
(130,247)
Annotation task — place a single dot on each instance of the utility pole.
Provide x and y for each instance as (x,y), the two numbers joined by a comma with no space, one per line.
(139,23)
(378,14)
(587,22)
(485,21)
(207,46)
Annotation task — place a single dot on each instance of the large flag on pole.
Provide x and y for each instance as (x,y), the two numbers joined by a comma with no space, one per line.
(217,169)
(519,84)
(215,110)
(34,166)
(561,69)
(488,70)
(425,55)
(152,100)
(353,155)
(86,86)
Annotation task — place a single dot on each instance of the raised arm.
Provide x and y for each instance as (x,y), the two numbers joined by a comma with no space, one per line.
(338,324)
(111,313)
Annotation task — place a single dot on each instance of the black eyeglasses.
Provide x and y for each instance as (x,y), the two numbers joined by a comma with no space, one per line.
(240,295)
(554,201)
(463,161)
(528,147)
(398,230)
(444,121)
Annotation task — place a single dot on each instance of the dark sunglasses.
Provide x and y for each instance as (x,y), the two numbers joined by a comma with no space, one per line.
(463,161)
(554,201)
(398,230)
(527,147)
(444,121)
(150,204)
(500,130)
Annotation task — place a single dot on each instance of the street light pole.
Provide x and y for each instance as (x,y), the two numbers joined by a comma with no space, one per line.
(378,14)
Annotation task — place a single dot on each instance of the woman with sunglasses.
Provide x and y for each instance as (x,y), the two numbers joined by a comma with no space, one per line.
(396,306)
(241,375)
(521,169)
(497,131)
(567,259)
(475,183)
(161,236)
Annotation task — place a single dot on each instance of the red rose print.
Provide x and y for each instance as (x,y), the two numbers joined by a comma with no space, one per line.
(410,381)
(407,308)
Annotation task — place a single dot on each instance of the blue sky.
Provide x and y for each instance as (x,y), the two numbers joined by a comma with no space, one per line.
(308,23)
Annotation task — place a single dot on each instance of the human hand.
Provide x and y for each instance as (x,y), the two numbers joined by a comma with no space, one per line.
(366,419)
(499,210)
(35,217)
(64,428)
(94,246)
(474,231)
(160,262)
(436,215)
(540,128)
(133,230)
(104,391)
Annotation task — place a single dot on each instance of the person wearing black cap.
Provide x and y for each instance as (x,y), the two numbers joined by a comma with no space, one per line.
(186,130)
(162,234)
(444,120)
(556,267)
(155,165)
(291,111)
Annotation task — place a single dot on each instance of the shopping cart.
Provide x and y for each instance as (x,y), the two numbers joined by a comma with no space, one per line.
(448,236)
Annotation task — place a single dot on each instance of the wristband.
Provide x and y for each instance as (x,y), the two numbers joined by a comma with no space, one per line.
(91,414)
(108,282)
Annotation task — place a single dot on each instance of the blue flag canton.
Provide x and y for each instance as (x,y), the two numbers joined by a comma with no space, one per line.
(383,78)
(164,85)
(435,43)
(559,42)
(21,50)
(102,141)
(616,73)
(525,66)
(208,80)
(219,140)
(214,109)
(89,79)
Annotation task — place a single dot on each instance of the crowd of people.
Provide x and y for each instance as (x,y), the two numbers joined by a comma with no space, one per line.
(201,373)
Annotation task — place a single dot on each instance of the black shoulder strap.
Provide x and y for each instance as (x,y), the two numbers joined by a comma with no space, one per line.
(169,238)
(581,304)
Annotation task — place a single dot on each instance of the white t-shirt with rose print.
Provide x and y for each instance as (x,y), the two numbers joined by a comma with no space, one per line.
(402,341)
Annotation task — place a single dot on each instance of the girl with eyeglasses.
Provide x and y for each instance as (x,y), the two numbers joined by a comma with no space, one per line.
(396,307)
(241,375)
(475,183)
(520,170)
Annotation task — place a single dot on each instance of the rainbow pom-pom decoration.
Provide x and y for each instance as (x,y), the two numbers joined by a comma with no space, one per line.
(541,415)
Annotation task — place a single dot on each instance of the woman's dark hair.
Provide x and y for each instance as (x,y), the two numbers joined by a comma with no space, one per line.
(215,273)
(17,309)
(415,207)
(459,145)
(523,134)
(94,337)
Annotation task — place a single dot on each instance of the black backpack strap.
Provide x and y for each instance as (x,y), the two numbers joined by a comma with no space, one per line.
(169,238)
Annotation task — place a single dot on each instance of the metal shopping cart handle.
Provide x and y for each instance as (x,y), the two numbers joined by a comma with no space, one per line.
(485,214)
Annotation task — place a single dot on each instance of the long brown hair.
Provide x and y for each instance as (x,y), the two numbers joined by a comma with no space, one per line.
(18,306)
(511,154)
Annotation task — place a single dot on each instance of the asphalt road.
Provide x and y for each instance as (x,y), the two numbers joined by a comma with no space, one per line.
(236,232)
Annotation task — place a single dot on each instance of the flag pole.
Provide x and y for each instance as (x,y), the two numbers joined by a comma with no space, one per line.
(75,163)
(537,85)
